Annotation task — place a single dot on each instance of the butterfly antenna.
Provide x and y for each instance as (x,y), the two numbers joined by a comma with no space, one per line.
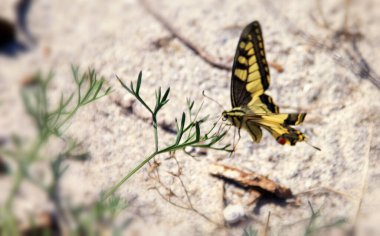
(222,127)
(315,147)
(204,94)
(217,118)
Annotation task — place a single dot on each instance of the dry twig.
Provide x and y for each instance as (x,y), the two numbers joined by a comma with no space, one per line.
(326,189)
(250,180)
(192,46)
(187,205)
(266,229)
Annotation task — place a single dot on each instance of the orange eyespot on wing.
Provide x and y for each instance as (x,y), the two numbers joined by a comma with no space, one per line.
(291,137)
(281,140)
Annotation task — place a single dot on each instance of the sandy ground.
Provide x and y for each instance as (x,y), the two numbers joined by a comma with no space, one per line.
(319,77)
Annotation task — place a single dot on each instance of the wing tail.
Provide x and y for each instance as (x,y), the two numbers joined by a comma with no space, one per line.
(279,126)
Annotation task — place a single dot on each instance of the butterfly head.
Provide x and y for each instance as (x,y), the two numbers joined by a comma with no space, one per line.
(236,112)
(225,115)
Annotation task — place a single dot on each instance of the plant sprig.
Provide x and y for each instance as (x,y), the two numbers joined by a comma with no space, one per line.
(313,227)
(49,121)
(188,132)
(52,122)
(160,102)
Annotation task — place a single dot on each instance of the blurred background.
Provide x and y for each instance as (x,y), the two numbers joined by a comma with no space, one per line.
(59,152)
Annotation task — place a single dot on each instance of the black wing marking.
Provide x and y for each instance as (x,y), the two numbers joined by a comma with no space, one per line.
(250,71)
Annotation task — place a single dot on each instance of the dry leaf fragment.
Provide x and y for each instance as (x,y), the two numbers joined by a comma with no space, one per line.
(250,180)
(276,66)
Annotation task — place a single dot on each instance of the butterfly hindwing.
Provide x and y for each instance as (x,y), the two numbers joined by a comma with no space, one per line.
(279,126)
(283,118)
(254,131)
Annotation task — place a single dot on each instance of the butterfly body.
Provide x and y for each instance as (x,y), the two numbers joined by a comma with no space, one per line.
(252,109)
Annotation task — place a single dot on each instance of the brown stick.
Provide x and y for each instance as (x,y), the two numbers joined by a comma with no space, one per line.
(250,180)
(192,46)
(197,50)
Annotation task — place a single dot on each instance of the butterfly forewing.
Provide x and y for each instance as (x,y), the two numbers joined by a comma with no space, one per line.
(250,72)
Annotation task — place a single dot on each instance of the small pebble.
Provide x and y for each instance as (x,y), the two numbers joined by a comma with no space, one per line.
(233,213)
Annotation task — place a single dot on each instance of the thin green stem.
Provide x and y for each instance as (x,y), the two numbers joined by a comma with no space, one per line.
(155,136)
(196,116)
(21,173)
(132,172)
(193,136)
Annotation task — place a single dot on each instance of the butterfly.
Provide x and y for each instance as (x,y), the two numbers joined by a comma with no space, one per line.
(252,109)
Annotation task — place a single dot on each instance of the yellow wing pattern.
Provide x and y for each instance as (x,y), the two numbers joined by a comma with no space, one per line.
(279,126)
(252,108)
(250,73)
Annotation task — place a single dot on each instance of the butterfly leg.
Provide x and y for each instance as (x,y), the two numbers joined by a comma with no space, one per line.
(234,145)
(239,136)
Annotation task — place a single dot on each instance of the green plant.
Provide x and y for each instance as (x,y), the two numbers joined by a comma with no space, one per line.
(313,227)
(188,134)
(100,216)
(50,122)
(249,231)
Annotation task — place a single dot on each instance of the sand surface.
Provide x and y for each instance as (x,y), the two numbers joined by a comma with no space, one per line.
(321,76)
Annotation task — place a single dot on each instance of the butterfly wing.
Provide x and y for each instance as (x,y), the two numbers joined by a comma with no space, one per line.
(250,80)
(254,131)
(250,72)
(279,125)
